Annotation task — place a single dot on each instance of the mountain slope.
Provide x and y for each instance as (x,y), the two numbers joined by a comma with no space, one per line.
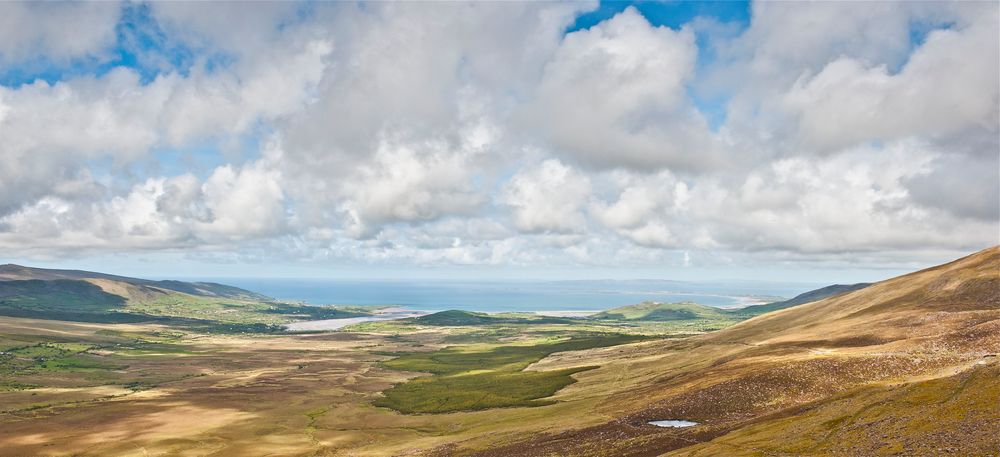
(893,309)
(87,296)
(807,297)
(201,289)
(907,366)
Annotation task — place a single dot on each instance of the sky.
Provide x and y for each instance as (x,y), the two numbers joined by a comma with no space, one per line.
(820,142)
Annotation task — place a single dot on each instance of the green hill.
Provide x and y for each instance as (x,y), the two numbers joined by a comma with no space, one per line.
(459,318)
(74,295)
(656,311)
(201,289)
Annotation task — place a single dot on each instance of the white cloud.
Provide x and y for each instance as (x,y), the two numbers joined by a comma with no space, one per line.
(615,95)
(403,184)
(547,198)
(231,205)
(481,133)
(245,202)
(48,133)
(948,85)
(59,31)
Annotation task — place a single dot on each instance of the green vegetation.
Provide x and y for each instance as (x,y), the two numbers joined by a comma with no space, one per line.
(83,301)
(670,318)
(60,299)
(476,377)
(50,357)
(106,357)
(210,289)
(462,327)
(140,286)
(467,318)
(256,316)
(655,311)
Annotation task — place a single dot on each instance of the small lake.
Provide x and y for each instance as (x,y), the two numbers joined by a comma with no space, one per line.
(673,423)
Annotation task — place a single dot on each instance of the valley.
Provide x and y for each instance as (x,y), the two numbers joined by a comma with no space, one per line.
(907,366)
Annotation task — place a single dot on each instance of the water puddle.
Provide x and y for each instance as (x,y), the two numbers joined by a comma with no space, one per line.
(673,423)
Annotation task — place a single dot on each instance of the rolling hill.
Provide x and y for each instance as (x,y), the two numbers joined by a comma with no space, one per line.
(459,318)
(202,289)
(656,311)
(84,296)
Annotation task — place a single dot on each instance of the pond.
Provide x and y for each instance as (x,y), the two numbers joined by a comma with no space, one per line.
(673,423)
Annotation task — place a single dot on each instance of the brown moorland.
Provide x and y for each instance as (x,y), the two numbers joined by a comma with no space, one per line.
(907,366)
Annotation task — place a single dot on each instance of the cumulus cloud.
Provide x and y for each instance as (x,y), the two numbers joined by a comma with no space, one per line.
(483,133)
(948,85)
(402,184)
(50,132)
(615,95)
(231,205)
(57,31)
(547,198)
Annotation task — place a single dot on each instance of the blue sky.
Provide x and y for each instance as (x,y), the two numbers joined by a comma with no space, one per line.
(673,14)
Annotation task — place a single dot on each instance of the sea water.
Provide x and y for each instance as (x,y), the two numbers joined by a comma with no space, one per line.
(512,295)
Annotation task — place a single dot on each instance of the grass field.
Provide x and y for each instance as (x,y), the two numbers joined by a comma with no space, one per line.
(476,377)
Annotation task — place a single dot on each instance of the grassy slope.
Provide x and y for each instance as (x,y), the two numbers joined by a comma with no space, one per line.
(862,369)
(109,301)
(475,377)
(955,414)
(808,297)
(688,311)
(205,289)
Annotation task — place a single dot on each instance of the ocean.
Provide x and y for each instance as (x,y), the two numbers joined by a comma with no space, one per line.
(515,296)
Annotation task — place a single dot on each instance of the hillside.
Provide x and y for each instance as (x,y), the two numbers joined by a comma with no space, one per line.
(201,289)
(84,296)
(930,300)
(699,318)
(907,366)
(803,298)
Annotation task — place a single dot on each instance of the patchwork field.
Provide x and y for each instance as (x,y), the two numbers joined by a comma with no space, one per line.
(151,390)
